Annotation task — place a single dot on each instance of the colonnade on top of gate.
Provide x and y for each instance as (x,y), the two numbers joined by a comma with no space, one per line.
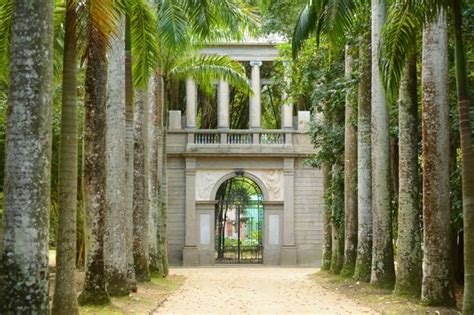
(223,103)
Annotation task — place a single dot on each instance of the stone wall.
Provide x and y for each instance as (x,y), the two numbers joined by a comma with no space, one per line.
(308,214)
(176,209)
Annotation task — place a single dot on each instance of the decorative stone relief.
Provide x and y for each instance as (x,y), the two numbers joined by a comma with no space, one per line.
(273,182)
(206,180)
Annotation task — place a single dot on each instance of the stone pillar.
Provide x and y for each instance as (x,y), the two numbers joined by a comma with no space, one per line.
(287,104)
(223,105)
(190,251)
(191,103)
(288,249)
(255,101)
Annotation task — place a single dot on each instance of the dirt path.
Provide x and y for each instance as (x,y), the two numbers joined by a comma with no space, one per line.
(255,290)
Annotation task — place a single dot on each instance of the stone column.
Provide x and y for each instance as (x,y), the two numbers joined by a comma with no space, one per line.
(255,101)
(190,251)
(191,103)
(287,104)
(223,105)
(288,249)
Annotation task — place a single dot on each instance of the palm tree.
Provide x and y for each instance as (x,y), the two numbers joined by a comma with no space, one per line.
(350,169)
(65,295)
(409,255)
(24,258)
(100,24)
(364,172)
(437,285)
(467,159)
(383,272)
(115,240)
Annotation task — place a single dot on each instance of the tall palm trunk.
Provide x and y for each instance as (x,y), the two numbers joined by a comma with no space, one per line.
(140,190)
(383,271)
(65,295)
(437,284)
(364,172)
(24,257)
(467,160)
(130,126)
(94,176)
(409,255)
(337,223)
(115,240)
(161,228)
(327,238)
(350,171)
(152,178)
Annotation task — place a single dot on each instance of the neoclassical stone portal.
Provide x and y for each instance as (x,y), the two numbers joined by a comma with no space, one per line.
(201,161)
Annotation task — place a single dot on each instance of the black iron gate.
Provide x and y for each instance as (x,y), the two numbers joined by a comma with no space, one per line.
(239,222)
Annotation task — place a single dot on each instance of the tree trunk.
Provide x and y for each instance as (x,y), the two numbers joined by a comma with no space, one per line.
(115,240)
(383,271)
(350,171)
(152,179)
(163,268)
(327,241)
(409,255)
(140,190)
(130,127)
(337,218)
(437,284)
(364,172)
(65,295)
(24,258)
(467,160)
(94,176)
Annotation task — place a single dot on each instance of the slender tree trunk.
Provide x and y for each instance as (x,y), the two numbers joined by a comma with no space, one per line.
(383,271)
(115,240)
(152,179)
(467,160)
(364,172)
(24,258)
(161,230)
(437,285)
(129,154)
(65,294)
(409,255)
(327,241)
(94,176)
(337,219)
(140,190)
(350,171)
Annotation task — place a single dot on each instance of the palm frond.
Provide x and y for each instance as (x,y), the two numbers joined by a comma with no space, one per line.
(399,34)
(6,12)
(97,21)
(337,21)
(205,69)
(144,37)
(307,23)
(59,16)
(172,24)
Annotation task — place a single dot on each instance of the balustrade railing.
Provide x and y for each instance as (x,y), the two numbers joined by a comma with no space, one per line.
(217,136)
(207,138)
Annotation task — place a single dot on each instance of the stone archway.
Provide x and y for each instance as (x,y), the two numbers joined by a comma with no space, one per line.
(239,221)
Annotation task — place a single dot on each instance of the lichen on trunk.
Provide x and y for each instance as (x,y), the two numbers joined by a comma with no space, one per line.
(24,273)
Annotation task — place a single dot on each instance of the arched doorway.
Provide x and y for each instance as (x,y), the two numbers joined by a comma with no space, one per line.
(239,222)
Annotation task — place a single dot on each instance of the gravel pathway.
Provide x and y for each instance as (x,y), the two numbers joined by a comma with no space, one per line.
(255,290)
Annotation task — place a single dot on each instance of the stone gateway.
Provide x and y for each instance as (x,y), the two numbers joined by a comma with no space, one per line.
(277,218)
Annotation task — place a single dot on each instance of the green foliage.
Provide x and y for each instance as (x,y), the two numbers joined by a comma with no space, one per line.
(6,12)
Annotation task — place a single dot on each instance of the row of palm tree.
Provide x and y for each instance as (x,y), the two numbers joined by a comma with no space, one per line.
(391,72)
(130,48)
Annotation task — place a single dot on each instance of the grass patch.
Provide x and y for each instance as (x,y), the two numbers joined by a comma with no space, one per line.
(381,300)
